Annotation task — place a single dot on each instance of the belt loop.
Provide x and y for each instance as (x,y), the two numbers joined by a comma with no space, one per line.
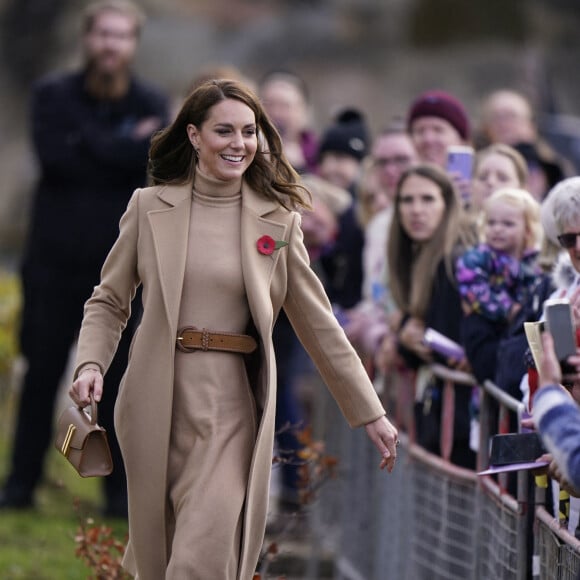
(204,339)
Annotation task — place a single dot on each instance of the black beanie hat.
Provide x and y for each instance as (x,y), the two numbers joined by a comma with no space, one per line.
(348,134)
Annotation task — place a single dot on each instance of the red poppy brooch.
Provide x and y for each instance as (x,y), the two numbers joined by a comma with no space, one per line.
(267,245)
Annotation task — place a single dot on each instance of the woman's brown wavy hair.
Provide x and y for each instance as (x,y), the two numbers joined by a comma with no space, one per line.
(172,159)
(412,265)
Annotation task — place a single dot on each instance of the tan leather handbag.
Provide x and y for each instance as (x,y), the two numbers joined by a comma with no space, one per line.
(83,442)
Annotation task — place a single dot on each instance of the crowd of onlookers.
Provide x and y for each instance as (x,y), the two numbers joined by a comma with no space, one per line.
(407,243)
(438,238)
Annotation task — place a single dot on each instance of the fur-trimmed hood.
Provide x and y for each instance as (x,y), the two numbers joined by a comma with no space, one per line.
(563,274)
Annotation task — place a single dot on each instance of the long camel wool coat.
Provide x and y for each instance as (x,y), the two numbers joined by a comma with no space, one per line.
(151,250)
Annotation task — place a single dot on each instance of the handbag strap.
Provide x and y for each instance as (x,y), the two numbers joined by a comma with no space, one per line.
(94,410)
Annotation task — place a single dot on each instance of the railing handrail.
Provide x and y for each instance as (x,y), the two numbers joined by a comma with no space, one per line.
(504,398)
(448,374)
(501,496)
(556,527)
(438,463)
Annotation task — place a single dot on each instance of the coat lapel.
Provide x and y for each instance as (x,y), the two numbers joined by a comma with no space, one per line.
(258,268)
(170,228)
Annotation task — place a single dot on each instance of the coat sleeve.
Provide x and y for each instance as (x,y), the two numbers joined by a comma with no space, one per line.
(310,313)
(55,130)
(118,147)
(69,139)
(557,418)
(109,307)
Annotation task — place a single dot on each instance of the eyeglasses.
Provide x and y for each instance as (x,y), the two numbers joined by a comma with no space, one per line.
(568,240)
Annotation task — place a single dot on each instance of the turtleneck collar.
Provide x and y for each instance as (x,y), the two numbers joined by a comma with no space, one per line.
(210,186)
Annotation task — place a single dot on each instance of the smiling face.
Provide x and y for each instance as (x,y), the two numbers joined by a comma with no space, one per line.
(505,228)
(432,136)
(421,207)
(227,141)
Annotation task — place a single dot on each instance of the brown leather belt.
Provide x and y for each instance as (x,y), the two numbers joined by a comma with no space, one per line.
(190,339)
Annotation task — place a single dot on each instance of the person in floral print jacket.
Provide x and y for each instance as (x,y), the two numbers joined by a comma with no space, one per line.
(496,277)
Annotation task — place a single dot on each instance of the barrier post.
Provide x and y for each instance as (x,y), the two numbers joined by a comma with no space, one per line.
(523,522)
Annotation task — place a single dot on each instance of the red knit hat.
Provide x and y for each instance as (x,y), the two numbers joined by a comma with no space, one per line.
(443,105)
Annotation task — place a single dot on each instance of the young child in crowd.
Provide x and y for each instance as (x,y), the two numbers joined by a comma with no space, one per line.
(495,279)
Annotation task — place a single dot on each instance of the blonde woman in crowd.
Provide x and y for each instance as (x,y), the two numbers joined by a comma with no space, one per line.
(496,166)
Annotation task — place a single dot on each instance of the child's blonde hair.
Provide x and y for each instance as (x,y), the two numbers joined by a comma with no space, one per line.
(524,201)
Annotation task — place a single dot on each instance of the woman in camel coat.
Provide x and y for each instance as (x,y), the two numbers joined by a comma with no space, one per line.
(215,247)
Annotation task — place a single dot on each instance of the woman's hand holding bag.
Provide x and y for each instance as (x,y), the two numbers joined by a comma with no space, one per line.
(83,441)
(79,437)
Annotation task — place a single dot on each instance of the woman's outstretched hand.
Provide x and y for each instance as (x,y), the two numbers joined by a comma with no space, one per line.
(385,437)
(88,381)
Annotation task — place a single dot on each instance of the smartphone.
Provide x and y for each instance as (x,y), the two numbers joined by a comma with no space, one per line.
(559,322)
(443,345)
(460,161)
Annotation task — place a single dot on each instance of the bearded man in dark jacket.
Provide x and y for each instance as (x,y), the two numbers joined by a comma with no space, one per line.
(91,130)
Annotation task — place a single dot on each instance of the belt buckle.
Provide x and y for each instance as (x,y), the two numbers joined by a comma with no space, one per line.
(179,339)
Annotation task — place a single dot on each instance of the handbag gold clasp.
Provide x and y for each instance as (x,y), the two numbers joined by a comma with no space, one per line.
(66,443)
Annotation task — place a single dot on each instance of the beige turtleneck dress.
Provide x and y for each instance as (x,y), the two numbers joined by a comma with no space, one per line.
(214,414)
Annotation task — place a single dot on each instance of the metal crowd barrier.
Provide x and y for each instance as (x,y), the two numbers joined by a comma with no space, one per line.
(430,519)
(361,516)
(558,551)
(444,519)
(505,521)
